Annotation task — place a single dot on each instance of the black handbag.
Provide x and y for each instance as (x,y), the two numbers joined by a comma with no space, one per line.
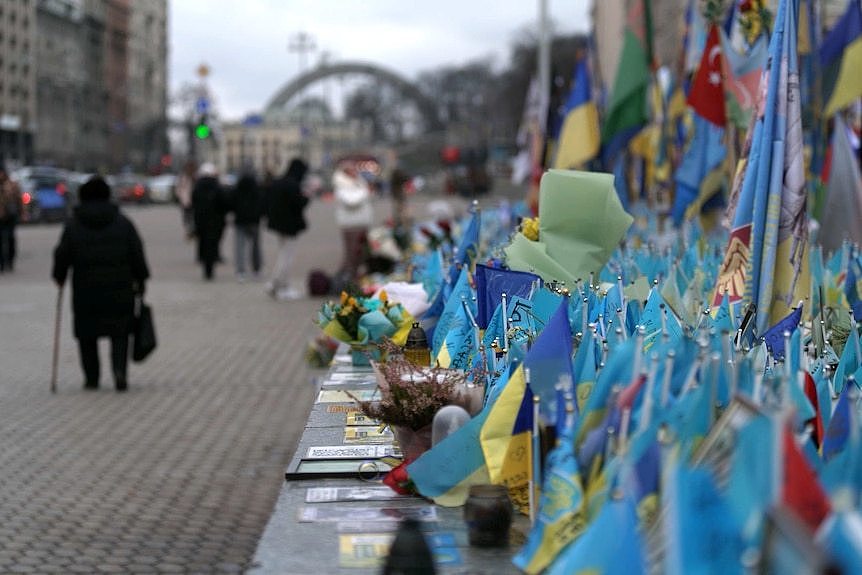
(144,334)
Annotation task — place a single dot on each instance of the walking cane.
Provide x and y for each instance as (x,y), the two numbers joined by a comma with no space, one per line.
(58,314)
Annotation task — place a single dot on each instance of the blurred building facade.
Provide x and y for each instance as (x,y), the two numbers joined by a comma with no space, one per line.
(17,80)
(266,146)
(100,83)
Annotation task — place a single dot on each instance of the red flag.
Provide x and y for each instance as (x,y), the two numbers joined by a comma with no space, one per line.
(801,492)
(817,420)
(707,91)
(627,396)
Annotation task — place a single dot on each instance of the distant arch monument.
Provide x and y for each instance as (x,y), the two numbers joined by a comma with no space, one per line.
(407,89)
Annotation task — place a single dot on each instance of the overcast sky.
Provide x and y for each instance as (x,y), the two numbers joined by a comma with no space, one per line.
(245,42)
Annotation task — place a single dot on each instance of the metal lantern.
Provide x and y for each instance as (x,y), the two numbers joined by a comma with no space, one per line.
(416,349)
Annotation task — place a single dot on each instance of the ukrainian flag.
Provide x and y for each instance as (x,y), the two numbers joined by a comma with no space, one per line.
(580,137)
(507,446)
(844,44)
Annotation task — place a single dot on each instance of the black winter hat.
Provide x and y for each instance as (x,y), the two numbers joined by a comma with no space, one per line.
(94,189)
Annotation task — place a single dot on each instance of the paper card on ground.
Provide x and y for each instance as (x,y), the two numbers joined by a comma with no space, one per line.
(361,550)
(351,376)
(363,469)
(337,408)
(371,493)
(368,435)
(359,418)
(369,550)
(349,452)
(340,395)
(335,514)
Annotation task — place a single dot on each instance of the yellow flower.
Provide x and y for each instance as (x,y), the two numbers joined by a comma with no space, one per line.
(351,301)
(530,229)
(344,297)
(384,297)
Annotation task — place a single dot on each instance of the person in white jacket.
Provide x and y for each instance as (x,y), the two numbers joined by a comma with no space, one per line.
(354,216)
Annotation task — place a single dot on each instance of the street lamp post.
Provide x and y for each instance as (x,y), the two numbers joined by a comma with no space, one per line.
(302,43)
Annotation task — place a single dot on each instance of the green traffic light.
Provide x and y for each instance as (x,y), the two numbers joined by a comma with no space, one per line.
(202,131)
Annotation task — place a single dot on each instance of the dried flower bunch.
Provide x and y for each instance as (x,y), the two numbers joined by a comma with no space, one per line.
(410,395)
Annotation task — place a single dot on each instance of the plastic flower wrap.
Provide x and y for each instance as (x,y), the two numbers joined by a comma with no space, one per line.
(360,320)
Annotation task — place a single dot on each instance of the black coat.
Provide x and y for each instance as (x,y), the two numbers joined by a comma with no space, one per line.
(106,255)
(246,202)
(285,202)
(210,206)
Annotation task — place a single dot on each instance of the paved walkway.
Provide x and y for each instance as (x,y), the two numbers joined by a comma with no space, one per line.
(180,474)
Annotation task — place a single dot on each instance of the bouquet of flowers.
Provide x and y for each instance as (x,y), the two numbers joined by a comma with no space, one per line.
(411,395)
(361,321)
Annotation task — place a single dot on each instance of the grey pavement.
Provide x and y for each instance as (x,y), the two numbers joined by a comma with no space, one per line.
(180,474)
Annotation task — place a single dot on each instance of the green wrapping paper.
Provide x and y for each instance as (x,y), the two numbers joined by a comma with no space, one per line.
(581,222)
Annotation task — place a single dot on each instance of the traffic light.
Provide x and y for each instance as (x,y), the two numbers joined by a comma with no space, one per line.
(202,129)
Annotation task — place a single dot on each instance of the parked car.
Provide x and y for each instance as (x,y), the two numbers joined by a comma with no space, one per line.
(162,188)
(130,188)
(44,194)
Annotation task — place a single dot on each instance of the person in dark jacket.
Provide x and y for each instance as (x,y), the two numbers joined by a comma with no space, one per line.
(209,206)
(106,255)
(247,206)
(285,214)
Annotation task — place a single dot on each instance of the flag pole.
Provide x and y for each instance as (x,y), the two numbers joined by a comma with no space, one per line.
(505,323)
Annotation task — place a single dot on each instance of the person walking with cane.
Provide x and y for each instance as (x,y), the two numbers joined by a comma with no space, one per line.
(109,269)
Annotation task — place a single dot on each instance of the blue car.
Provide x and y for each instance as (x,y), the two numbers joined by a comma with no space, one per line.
(44,194)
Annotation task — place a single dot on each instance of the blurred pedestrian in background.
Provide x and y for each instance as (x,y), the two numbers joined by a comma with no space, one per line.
(10,210)
(247,205)
(109,269)
(285,214)
(398,182)
(354,216)
(210,207)
(185,186)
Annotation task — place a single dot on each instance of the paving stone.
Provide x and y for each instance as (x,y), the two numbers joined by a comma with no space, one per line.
(187,464)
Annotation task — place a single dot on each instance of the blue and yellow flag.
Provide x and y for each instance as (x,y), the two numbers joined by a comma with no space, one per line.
(766,252)
(510,467)
(844,44)
(611,545)
(580,137)
(560,518)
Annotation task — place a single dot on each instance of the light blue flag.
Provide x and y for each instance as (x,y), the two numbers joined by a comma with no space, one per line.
(584,367)
(702,534)
(752,488)
(453,306)
(723,320)
(705,153)
(824,393)
(849,362)
(611,545)
(444,471)
(460,342)
(545,304)
(468,246)
(656,314)
(841,537)
(550,362)
(618,368)
(429,271)
(838,432)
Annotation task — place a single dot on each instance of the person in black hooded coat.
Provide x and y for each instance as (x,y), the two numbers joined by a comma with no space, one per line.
(285,214)
(106,255)
(209,204)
